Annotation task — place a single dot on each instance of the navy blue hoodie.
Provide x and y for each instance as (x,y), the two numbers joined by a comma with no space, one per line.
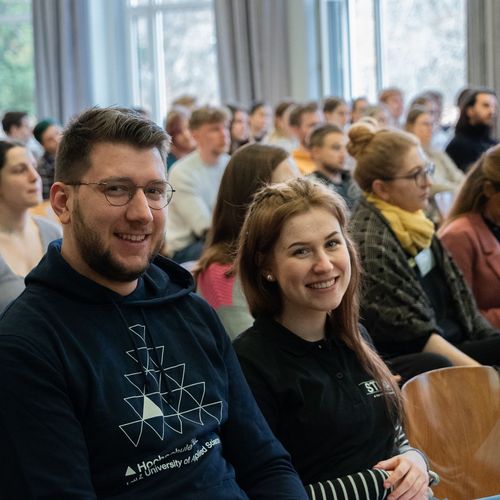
(104,396)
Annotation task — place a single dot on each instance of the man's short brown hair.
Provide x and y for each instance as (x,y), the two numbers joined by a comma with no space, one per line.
(207,114)
(298,111)
(318,134)
(104,125)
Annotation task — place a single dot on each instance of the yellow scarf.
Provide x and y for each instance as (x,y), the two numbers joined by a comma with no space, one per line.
(413,229)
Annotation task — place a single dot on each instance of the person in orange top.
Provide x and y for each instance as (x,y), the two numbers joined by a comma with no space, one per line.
(303,119)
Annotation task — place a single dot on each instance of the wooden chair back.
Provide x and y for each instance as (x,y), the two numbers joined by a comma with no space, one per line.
(453,415)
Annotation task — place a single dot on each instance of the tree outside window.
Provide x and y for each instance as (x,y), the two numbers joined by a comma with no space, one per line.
(17,72)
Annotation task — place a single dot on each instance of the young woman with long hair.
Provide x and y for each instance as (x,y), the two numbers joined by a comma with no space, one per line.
(472,233)
(250,168)
(324,391)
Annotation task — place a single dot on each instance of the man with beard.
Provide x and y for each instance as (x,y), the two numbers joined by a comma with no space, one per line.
(473,132)
(327,144)
(116,380)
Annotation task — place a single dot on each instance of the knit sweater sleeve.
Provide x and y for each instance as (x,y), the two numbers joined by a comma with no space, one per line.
(188,203)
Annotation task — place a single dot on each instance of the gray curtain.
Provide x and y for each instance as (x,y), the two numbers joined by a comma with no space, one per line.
(483,42)
(252,49)
(62,57)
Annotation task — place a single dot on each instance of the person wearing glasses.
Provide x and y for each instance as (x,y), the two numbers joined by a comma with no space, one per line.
(23,238)
(116,380)
(472,233)
(415,302)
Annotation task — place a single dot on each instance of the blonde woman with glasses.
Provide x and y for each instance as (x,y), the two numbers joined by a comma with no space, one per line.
(415,302)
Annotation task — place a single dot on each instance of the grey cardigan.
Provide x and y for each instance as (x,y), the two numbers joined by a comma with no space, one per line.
(11,284)
(393,300)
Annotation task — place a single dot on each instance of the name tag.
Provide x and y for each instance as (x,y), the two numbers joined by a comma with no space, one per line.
(425,261)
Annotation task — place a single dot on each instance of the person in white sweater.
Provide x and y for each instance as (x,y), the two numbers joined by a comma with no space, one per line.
(196,179)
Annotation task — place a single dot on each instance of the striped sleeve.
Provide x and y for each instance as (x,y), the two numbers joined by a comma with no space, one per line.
(401,441)
(403,445)
(364,485)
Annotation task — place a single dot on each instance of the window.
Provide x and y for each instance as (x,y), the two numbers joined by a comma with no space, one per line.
(424,46)
(173,49)
(415,45)
(363,42)
(17,78)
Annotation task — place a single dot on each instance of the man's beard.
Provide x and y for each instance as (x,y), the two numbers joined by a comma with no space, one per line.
(92,251)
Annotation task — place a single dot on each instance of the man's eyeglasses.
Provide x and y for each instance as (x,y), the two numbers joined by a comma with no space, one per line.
(420,176)
(119,193)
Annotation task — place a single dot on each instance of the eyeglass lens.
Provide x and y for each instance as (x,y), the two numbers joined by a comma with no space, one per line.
(120,193)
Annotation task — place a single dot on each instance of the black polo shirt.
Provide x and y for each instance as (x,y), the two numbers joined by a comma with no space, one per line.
(321,404)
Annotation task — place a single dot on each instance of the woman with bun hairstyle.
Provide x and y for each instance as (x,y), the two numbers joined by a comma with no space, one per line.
(472,233)
(414,299)
(326,394)
(250,168)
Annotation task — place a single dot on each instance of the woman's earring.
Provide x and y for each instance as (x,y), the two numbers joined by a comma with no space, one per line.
(269,277)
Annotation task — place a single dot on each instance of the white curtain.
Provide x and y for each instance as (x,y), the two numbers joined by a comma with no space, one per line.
(483,42)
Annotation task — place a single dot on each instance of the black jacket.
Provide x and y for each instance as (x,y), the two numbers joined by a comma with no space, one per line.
(321,404)
(469,144)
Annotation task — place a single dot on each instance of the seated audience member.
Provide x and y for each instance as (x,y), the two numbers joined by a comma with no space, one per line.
(427,103)
(48,133)
(23,239)
(303,119)
(474,128)
(358,109)
(249,169)
(442,131)
(239,131)
(259,121)
(281,135)
(16,126)
(380,113)
(327,144)
(415,300)
(392,98)
(325,393)
(177,127)
(447,177)
(116,380)
(472,233)
(336,111)
(196,178)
